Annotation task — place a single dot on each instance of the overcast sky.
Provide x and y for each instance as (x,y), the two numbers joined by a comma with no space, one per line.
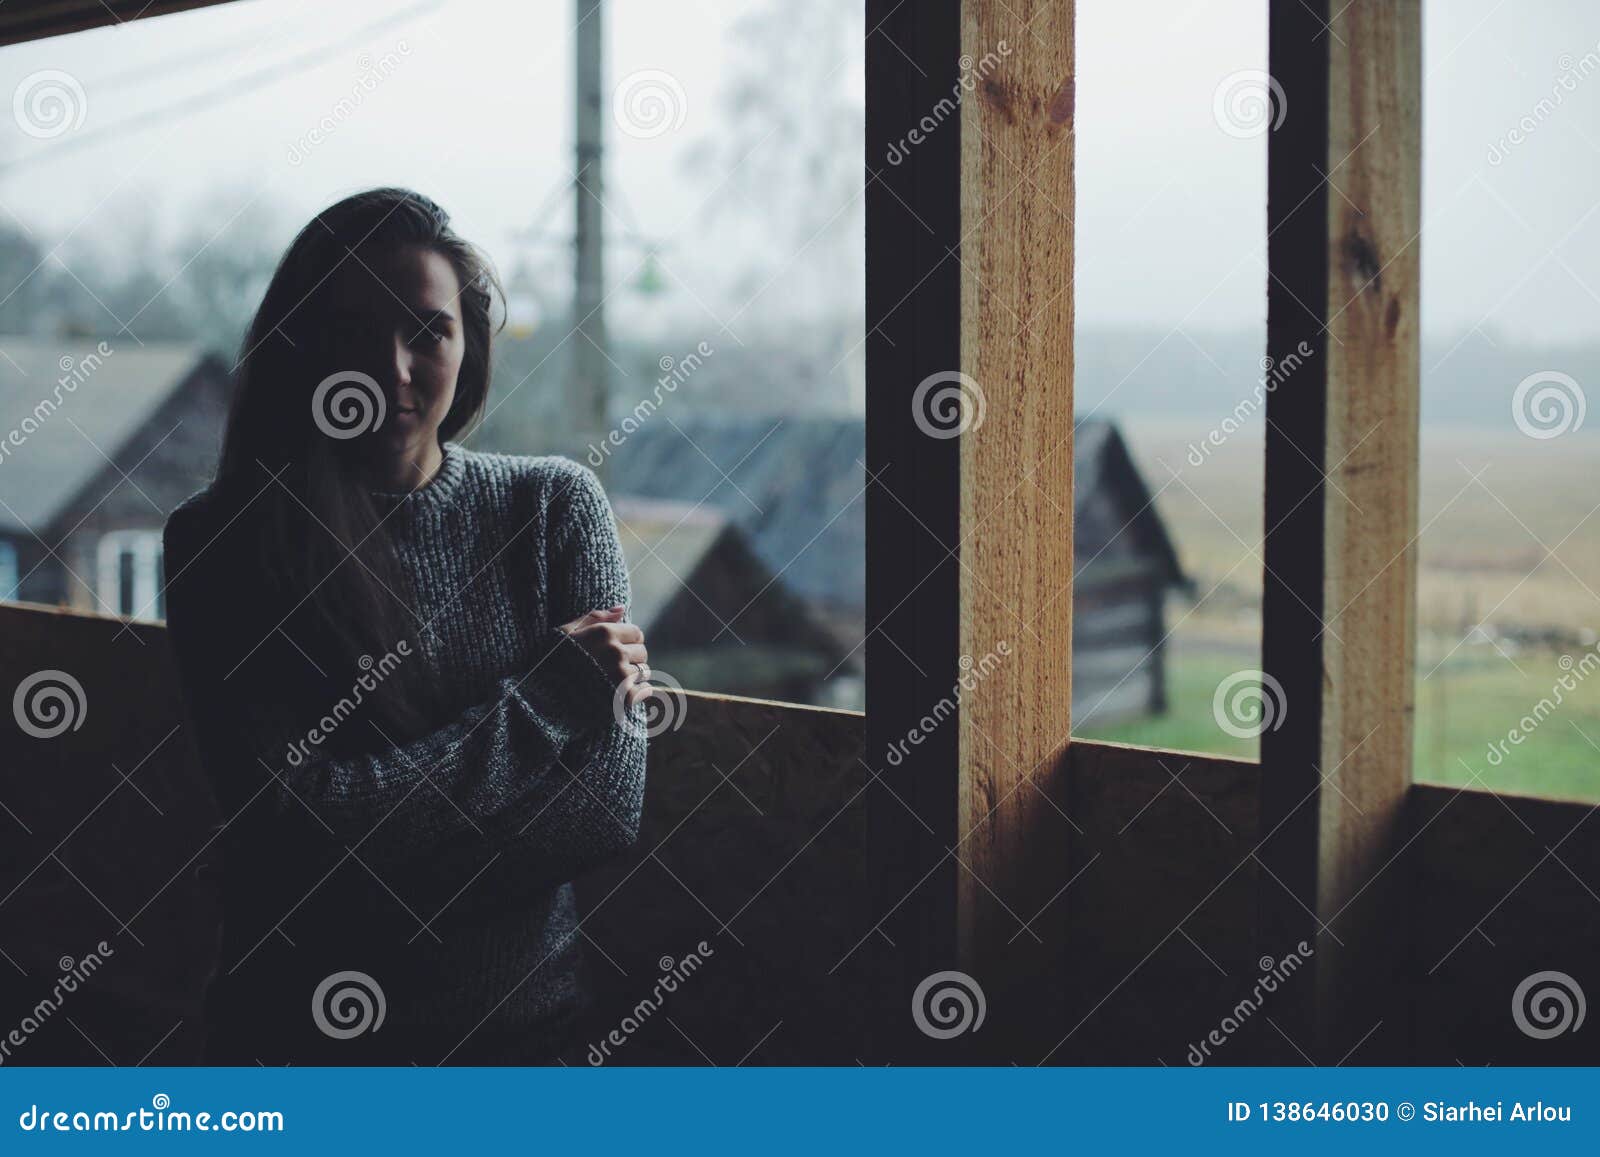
(477,113)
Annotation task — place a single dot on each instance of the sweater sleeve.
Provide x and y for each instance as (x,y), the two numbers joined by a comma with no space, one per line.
(594,807)
(539,781)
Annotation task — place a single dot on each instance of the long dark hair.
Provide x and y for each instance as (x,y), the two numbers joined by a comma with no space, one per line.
(320,541)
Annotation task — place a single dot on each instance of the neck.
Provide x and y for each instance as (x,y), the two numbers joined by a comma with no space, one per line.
(410,469)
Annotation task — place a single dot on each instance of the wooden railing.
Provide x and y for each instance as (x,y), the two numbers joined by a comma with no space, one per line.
(754,844)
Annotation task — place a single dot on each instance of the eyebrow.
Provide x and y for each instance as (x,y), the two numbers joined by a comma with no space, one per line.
(431,314)
(428,315)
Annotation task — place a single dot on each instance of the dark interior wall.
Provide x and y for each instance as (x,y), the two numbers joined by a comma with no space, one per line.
(105,828)
(754,841)
(1506,888)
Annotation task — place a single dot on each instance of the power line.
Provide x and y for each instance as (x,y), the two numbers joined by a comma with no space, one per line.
(218,94)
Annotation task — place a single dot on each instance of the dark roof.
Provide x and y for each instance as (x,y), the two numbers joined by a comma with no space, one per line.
(84,422)
(794,485)
(663,542)
(1102,465)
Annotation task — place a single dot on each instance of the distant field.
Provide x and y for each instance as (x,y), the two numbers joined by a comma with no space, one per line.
(1461,710)
(1483,542)
(1517,550)
(1187,725)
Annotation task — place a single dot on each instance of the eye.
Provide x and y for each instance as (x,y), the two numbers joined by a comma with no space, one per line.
(428,337)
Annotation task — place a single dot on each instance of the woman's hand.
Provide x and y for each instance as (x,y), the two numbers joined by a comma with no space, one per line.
(617,646)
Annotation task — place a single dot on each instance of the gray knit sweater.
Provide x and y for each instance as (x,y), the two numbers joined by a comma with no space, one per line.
(436,868)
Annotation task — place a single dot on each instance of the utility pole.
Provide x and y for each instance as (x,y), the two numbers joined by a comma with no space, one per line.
(589,360)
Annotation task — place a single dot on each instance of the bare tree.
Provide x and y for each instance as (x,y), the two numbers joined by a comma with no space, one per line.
(785,156)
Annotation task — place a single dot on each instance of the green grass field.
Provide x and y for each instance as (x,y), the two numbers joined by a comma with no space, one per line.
(1462,708)
(1508,550)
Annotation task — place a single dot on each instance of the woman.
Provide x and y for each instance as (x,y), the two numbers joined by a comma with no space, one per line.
(408,668)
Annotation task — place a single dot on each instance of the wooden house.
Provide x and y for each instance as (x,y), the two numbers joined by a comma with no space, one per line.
(796,485)
(102,439)
(715,615)
(109,438)
(1124,564)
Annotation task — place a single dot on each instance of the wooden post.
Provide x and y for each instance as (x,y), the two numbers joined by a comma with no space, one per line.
(969,501)
(1341,511)
(1017,150)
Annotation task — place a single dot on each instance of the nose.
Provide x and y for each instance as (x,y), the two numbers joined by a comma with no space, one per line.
(397,372)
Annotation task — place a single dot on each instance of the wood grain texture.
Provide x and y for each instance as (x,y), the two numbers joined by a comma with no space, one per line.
(1342,459)
(1374,303)
(1016,257)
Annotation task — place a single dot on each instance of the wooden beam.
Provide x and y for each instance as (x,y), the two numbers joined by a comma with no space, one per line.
(1342,454)
(35,21)
(1016,258)
(969,452)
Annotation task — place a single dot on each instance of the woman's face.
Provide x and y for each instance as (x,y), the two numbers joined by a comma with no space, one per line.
(395,316)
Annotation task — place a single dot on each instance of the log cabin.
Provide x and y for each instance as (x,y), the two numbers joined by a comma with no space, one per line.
(796,484)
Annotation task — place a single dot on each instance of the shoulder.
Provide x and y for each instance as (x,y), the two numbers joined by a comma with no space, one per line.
(526,470)
(562,487)
(215,525)
(191,518)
